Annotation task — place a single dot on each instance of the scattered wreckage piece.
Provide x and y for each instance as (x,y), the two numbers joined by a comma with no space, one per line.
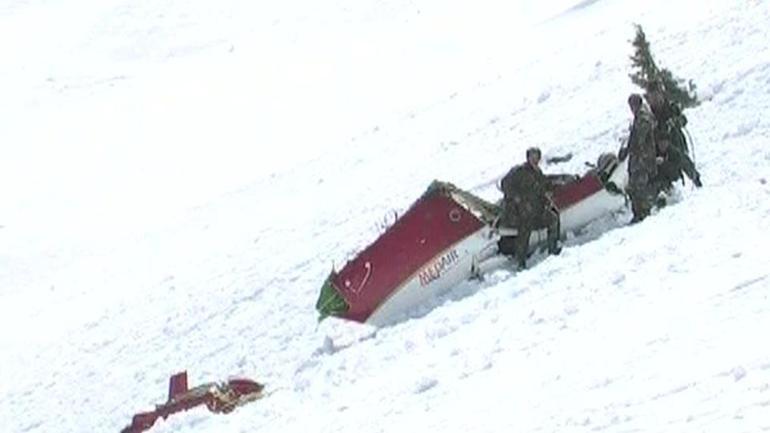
(445,238)
(221,397)
(558,159)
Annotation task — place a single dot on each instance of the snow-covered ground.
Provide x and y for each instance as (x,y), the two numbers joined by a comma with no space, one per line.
(177,179)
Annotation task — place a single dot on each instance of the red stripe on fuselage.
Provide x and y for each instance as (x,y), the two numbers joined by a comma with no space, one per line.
(426,230)
(571,193)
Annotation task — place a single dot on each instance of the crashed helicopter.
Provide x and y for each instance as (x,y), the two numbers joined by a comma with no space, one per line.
(449,235)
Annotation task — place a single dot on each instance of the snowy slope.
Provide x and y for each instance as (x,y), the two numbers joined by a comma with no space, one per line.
(179,177)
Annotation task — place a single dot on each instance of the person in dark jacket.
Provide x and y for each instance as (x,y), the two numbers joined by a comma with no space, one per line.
(672,144)
(642,164)
(527,205)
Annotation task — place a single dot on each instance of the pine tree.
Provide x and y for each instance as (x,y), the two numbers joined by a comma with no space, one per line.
(649,77)
(646,69)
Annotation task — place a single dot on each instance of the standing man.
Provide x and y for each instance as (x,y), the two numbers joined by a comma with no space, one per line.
(527,205)
(672,145)
(641,151)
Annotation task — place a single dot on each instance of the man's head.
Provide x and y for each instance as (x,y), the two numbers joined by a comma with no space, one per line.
(635,102)
(533,156)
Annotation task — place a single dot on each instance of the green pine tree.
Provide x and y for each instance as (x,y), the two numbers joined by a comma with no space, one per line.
(646,69)
(648,76)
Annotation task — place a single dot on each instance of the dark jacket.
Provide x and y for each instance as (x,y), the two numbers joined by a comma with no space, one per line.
(525,190)
(669,123)
(669,115)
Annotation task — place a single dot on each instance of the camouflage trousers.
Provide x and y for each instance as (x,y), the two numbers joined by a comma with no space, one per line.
(526,219)
(641,190)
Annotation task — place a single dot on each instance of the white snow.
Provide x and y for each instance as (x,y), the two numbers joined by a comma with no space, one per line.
(178,178)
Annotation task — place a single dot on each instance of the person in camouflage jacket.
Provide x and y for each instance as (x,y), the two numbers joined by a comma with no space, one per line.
(671,142)
(527,205)
(642,164)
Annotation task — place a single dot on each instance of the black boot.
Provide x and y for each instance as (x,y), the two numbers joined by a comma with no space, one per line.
(521,264)
(697,181)
(639,216)
(640,210)
(553,244)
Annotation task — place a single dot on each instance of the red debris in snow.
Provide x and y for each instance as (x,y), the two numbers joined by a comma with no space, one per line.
(218,398)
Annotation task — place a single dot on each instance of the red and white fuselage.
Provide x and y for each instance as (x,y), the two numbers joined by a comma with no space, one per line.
(444,239)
